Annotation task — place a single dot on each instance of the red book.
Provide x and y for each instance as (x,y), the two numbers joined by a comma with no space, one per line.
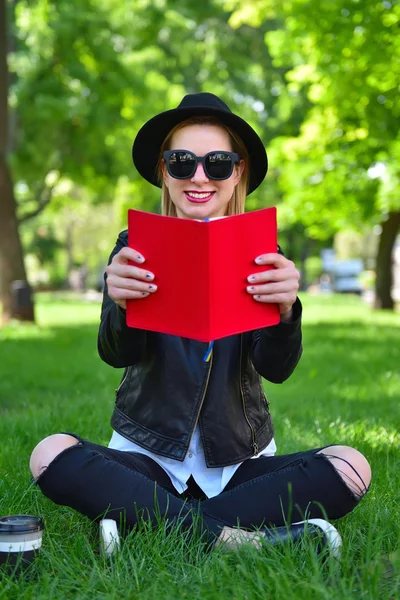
(201,270)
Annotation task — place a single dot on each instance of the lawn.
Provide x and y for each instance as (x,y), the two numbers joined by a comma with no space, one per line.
(346,390)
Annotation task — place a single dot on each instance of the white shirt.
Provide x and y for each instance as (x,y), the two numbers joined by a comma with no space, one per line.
(211,480)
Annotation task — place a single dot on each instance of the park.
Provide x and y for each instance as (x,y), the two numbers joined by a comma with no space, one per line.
(77,81)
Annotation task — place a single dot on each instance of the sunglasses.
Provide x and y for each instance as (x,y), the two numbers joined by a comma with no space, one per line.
(218,165)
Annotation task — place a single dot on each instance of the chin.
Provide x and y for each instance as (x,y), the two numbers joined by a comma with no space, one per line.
(198,210)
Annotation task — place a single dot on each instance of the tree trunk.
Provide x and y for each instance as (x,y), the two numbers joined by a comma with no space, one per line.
(11,256)
(384,262)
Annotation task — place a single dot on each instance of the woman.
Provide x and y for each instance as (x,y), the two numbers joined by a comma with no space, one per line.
(192,428)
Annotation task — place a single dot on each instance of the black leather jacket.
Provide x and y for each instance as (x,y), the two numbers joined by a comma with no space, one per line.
(167,388)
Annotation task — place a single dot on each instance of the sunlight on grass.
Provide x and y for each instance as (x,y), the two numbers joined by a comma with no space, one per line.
(16,331)
(344,309)
(65,312)
(363,432)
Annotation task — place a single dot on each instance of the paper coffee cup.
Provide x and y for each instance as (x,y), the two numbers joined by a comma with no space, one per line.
(20,540)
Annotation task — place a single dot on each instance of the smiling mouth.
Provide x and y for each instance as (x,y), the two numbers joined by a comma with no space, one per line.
(199,197)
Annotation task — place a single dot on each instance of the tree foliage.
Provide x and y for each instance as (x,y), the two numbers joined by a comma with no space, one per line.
(345,57)
(317,79)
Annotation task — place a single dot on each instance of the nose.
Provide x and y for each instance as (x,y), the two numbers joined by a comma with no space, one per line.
(199,175)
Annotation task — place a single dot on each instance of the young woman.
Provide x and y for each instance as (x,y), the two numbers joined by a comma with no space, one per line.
(192,428)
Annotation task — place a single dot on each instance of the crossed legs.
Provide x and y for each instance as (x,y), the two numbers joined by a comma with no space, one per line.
(88,481)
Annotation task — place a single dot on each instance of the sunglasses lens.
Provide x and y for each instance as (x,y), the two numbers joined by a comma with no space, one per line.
(181,164)
(219,165)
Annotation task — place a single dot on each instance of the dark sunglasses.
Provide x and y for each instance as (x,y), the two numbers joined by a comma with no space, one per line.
(218,165)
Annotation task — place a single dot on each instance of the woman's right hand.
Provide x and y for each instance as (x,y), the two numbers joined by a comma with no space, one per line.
(128,282)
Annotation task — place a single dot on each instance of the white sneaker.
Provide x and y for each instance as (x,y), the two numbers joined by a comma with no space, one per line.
(331,536)
(109,537)
(327,534)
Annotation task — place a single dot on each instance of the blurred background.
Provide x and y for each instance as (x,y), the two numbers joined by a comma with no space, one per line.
(319,80)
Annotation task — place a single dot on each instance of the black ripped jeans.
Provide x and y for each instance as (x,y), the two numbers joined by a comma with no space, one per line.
(126,486)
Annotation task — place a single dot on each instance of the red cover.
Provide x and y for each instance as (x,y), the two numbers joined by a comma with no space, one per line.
(201,270)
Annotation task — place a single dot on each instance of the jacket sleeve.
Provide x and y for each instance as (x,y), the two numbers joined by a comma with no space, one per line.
(276,350)
(118,344)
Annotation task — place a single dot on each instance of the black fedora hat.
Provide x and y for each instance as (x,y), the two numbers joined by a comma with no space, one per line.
(147,145)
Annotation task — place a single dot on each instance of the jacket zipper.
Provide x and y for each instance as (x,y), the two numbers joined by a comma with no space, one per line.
(263,393)
(202,399)
(123,380)
(253,434)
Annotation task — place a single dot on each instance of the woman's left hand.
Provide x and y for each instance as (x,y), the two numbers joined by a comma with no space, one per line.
(278,285)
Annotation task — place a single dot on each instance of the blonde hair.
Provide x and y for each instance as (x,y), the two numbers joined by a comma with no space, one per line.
(237,202)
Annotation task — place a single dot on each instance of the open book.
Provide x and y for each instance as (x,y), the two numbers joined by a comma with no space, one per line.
(201,270)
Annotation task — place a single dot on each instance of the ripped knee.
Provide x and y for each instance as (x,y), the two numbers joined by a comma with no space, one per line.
(351,466)
(48,449)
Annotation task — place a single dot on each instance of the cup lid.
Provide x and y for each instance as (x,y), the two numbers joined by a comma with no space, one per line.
(15,524)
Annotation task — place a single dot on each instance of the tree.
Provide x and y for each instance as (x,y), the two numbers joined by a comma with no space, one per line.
(58,81)
(11,256)
(345,56)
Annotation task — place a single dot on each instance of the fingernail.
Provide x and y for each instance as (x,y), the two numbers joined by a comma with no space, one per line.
(251,278)
(140,257)
(152,287)
(145,293)
(251,288)
(149,276)
(258,259)
(257,297)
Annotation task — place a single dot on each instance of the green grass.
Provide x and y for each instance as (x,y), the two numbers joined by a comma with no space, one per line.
(346,390)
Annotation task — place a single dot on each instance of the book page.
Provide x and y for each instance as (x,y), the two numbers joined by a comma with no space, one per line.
(176,251)
(235,243)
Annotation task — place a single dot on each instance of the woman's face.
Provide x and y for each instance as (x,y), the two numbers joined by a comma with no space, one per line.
(199,197)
